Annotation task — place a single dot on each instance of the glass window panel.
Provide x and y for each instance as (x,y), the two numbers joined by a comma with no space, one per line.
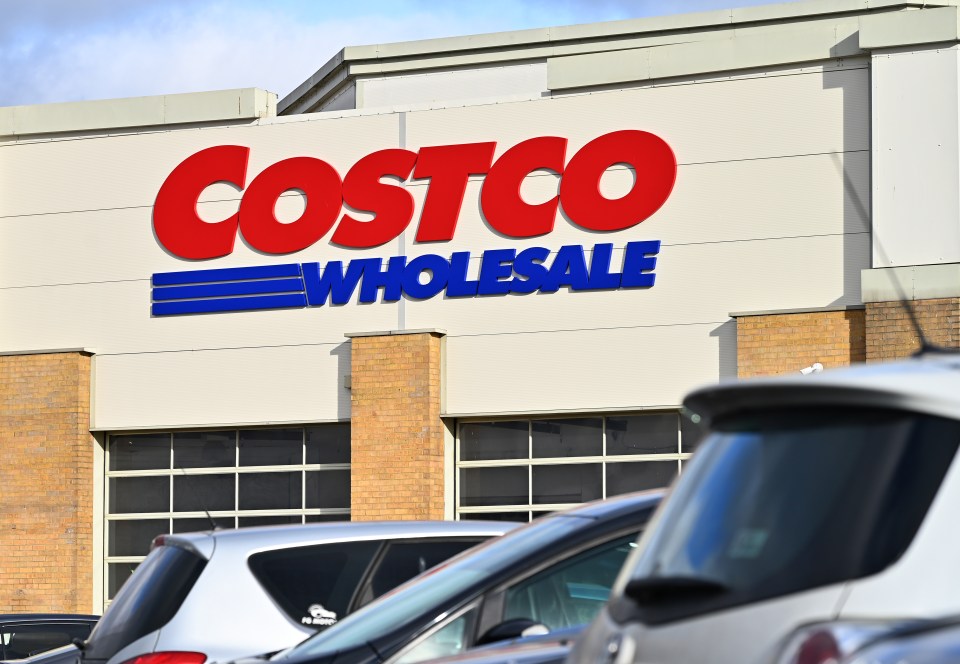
(328,488)
(204,449)
(690,432)
(493,486)
(202,524)
(248,521)
(133,538)
(404,560)
(639,476)
(117,574)
(568,438)
(494,440)
(199,493)
(655,433)
(574,483)
(328,443)
(271,447)
(323,518)
(270,491)
(515,517)
(149,451)
(139,494)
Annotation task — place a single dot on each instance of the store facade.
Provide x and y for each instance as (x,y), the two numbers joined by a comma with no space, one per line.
(459,278)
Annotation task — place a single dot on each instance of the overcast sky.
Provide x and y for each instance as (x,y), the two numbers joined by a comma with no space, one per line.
(69,50)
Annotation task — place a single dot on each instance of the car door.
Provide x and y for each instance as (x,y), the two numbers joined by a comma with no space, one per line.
(567,591)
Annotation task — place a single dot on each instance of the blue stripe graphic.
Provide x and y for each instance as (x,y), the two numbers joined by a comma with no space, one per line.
(226,274)
(229,304)
(270,286)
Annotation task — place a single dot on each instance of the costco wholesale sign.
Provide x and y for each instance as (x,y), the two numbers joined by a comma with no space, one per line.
(183,233)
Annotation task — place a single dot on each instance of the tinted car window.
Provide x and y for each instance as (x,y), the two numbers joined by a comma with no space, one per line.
(404,560)
(781,502)
(21,641)
(572,592)
(314,585)
(147,601)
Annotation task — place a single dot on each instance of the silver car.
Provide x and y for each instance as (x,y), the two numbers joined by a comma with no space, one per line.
(221,595)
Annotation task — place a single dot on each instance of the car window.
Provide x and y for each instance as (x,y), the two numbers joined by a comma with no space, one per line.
(572,592)
(784,501)
(404,560)
(147,601)
(451,639)
(314,585)
(20,641)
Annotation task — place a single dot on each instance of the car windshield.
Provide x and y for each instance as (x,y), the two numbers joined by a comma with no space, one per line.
(779,502)
(410,602)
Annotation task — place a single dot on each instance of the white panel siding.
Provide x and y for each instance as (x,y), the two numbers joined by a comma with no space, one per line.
(236,386)
(916,157)
(753,118)
(454,86)
(585,370)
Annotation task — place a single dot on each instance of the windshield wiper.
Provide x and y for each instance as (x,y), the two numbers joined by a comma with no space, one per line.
(652,589)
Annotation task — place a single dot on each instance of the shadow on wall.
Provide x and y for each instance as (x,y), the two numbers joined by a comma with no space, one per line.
(853,165)
(726,334)
(342,353)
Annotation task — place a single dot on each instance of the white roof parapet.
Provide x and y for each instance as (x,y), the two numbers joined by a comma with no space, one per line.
(133,112)
(583,40)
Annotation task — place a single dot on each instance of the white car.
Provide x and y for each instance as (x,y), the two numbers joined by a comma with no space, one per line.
(226,594)
(820,511)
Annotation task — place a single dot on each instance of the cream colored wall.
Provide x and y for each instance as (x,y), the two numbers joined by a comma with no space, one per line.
(769,211)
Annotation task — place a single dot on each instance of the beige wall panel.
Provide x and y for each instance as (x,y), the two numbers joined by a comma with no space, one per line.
(127,171)
(711,202)
(115,318)
(585,370)
(479,83)
(721,120)
(696,283)
(240,386)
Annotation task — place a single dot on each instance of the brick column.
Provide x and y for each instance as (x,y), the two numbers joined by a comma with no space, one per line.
(397,436)
(770,343)
(46,483)
(892,335)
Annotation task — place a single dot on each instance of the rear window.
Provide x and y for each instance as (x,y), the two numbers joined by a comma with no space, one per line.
(314,585)
(147,601)
(21,641)
(782,502)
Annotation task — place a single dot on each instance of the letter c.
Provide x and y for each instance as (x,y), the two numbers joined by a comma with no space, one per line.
(175,220)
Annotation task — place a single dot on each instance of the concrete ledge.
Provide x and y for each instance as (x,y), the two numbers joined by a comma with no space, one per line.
(393,333)
(914,282)
(907,28)
(114,114)
(808,310)
(47,351)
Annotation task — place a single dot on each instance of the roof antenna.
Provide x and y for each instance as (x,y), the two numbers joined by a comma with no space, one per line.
(199,499)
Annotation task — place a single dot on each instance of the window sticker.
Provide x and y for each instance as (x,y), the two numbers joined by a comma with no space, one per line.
(748,543)
(319,616)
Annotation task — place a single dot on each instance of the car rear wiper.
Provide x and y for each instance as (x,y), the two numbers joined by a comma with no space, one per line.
(652,589)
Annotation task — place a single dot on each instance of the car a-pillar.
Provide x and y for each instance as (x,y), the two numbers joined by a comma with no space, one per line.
(47,475)
(397,434)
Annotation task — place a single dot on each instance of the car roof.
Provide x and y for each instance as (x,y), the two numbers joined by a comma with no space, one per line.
(35,617)
(927,384)
(289,535)
(614,506)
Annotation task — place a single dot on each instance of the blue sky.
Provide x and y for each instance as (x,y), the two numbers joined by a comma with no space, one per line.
(68,50)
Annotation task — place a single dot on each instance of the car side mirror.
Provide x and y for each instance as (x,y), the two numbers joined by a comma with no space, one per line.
(513,629)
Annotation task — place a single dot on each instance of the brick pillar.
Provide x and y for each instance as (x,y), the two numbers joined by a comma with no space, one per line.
(777,343)
(397,436)
(46,483)
(892,335)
